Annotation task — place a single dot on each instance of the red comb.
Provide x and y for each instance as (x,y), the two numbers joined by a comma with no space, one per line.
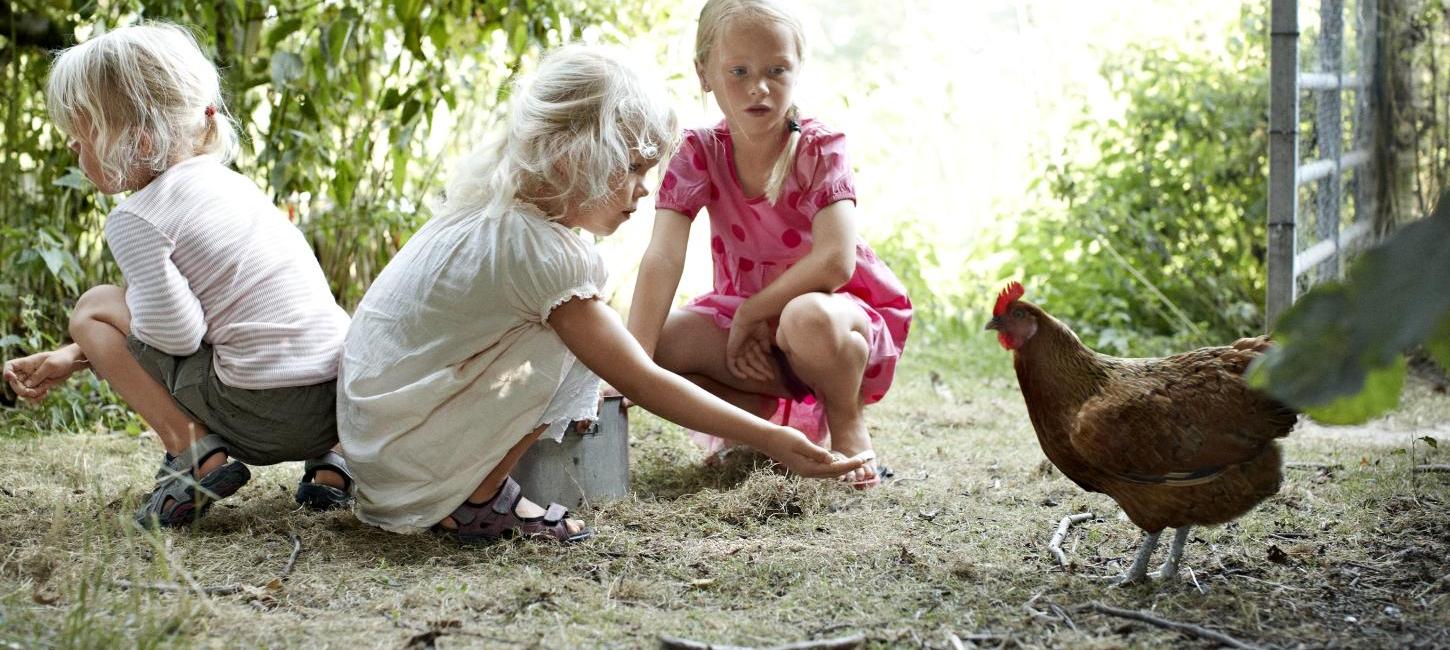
(1011,293)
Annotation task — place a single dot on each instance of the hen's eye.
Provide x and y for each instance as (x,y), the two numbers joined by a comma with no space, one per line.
(1018,313)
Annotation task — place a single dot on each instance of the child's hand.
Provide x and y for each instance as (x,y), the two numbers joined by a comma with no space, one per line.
(747,351)
(33,376)
(792,449)
(605,390)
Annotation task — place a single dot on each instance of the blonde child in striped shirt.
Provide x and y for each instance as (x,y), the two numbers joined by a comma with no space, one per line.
(226,337)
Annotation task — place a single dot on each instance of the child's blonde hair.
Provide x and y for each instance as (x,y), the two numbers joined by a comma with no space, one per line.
(141,94)
(714,17)
(570,135)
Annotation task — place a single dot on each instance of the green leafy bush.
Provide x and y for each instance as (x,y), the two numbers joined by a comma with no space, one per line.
(1161,236)
(344,107)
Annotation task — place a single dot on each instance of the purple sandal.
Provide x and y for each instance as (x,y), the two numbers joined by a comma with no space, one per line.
(498,519)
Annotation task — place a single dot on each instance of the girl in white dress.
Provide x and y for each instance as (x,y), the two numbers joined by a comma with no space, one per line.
(488,328)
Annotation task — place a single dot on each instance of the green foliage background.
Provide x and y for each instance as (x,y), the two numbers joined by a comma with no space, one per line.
(1160,236)
(1147,233)
(336,100)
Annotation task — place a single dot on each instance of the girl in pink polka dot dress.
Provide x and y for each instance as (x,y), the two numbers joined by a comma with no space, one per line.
(804,324)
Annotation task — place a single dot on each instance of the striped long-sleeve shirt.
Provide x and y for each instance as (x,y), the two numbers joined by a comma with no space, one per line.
(207,257)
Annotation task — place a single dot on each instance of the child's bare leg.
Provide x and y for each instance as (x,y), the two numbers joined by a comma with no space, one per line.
(99,326)
(691,345)
(493,482)
(762,406)
(824,337)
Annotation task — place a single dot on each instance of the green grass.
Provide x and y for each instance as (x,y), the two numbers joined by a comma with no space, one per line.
(738,554)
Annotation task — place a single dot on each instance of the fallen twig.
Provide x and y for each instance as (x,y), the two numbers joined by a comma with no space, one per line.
(215,590)
(976,638)
(1304,465)
(1056,544)
(219,590)
(1066,619)
(291,559)
(1194,576)
(839,643)
(1423,469)
(1187,628)
(1037,613)
(921,476)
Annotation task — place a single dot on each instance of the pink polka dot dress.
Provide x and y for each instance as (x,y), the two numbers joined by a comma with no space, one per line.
(752,242)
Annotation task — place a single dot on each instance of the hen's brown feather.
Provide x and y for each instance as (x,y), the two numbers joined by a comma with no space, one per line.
(1176,441)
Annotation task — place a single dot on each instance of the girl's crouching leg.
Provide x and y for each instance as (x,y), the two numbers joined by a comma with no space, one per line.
(100,325)
(492,487)
(824,339)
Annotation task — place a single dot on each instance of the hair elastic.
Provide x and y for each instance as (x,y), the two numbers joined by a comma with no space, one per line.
(210,110)
(793,125)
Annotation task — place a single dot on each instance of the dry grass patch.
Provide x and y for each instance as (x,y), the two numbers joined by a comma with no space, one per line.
(735,553)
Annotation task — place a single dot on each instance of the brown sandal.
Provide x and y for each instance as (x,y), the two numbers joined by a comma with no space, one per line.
(498,519)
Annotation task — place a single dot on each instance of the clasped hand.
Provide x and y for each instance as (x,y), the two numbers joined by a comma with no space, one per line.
(33,376)
(747,351)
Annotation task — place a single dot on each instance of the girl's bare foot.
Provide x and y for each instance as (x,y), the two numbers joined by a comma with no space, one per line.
(852,440)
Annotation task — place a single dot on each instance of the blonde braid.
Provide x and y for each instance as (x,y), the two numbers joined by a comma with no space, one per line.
(786,162)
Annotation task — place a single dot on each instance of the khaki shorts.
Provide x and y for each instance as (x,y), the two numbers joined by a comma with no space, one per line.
(261,427)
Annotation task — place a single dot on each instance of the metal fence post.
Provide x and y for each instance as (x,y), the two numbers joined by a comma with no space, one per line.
(1283,154)
(1329,117)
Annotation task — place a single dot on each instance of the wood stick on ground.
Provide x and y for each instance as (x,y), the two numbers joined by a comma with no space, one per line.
(1304,465)
(291,559)
(167,587)
(1056,544)
(215,590)
(1186,628)
(956,641)
(1424,469)
(668,642)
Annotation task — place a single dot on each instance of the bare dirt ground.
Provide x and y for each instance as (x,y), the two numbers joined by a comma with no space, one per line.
(1351,553)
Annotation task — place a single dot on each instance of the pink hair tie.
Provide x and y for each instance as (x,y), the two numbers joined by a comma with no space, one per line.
(210,111)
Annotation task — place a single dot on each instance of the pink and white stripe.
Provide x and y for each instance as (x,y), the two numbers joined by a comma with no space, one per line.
(207,257)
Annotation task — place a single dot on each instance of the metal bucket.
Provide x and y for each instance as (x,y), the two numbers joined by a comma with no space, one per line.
(583,468)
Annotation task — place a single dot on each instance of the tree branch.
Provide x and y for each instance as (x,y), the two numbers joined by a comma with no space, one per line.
(1187,628)
(1056,544)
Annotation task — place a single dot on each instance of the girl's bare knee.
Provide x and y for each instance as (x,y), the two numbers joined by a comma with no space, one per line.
(99,304)
(806,316)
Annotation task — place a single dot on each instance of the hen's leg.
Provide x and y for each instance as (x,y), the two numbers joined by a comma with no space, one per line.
(1175,552)
(1139,570)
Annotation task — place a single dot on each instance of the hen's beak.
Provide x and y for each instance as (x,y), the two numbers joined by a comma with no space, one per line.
(994,324)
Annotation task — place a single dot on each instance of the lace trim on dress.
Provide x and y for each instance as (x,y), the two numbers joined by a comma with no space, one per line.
(581,291)
(576,399)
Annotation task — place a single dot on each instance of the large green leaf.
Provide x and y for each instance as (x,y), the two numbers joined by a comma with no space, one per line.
(1439,345)
(1393,298)
(1380,394)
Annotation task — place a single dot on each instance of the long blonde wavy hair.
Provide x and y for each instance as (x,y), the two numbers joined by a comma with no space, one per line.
(140,95)
(570,136)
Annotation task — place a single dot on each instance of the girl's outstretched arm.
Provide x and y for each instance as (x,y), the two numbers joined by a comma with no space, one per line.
(593,332)
(659,278)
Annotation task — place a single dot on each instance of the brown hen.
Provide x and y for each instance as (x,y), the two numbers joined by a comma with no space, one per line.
(1177,441)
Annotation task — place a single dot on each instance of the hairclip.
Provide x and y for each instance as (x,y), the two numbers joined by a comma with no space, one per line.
(210,110)
(793,125)
(649,150)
